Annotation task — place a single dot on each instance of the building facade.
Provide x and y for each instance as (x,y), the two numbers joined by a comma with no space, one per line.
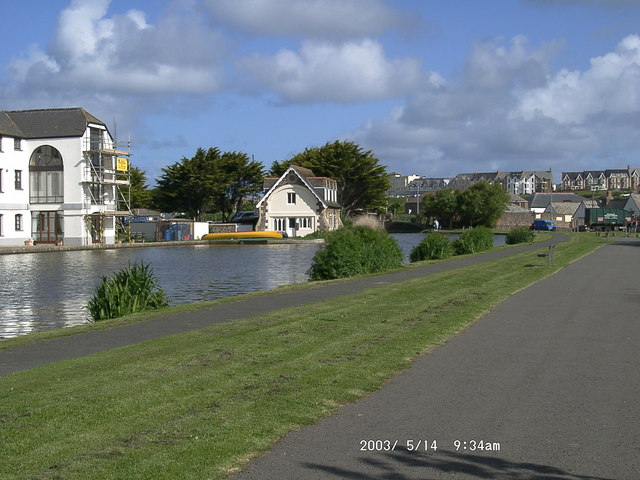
(299,203)
(611,179)
(62,180)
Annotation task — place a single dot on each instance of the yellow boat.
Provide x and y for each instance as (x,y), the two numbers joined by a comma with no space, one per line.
(241,235)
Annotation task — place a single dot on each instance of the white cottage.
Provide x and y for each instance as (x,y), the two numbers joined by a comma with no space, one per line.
(299,203)
(61,178)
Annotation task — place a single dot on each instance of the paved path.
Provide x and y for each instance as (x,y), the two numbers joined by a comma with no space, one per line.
(551,378)
(42,353)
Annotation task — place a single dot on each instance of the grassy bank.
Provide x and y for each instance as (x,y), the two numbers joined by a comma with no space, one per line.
(201,404)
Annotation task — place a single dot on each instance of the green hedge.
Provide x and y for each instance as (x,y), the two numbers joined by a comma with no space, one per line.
(520,235)
(435,246)
(353,251)
(473,240)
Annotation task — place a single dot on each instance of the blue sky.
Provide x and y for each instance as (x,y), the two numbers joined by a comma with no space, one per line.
(433,87)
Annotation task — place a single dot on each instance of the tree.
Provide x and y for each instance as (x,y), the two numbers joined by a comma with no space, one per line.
(210,180)
(362,181)
(482,204)
(442,205)
(236,177)
(140,195)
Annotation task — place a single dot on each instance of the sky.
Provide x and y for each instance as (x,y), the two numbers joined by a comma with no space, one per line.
(432,87)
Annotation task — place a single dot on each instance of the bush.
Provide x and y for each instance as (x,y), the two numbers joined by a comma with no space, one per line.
(520,235)
(355,251)
(132,289)
(434,247)
(473,240)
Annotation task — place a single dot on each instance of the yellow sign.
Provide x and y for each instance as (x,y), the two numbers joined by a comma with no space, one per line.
(122,164)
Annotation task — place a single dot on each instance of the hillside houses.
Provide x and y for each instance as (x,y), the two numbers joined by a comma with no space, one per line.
(612,179)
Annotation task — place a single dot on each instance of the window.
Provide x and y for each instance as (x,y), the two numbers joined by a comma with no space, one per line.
(291,198)
(0,144)
(46,176)
(1,224)
(0,180)
(19,222)
(305,222)
(47,227)
(18,179)
(17,144)
(279,224)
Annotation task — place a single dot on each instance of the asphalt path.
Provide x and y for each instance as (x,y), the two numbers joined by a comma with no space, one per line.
(75,346)
(548,384)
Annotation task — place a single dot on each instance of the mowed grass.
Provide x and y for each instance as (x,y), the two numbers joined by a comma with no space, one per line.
(200,405)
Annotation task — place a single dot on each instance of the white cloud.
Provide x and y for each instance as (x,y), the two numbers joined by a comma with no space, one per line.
(328,19)
(121,54)
(507,112)
(326,72)
(610,86)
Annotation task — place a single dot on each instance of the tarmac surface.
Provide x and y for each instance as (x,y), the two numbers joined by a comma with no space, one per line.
(546,386)
(49,351)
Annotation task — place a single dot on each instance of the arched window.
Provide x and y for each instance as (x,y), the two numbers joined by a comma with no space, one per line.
(46,176)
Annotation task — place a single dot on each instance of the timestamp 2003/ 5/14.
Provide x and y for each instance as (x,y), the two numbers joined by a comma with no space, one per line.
(422,445)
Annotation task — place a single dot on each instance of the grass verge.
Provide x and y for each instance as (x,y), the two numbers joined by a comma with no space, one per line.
(201,404)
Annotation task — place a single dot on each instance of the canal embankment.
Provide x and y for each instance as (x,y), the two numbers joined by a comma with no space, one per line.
(45,248)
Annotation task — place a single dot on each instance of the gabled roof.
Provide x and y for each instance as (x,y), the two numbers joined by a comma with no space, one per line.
(563,208)
(47,123)
(617,203)
(541,200)
(571,175)
(305,175)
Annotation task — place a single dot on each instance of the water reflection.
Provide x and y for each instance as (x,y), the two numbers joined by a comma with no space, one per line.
(48,290)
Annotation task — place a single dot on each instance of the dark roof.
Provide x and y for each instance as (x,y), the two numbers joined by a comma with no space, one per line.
(48,123)
(541,200)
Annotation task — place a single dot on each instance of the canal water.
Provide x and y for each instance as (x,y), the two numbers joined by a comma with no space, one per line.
(42,291)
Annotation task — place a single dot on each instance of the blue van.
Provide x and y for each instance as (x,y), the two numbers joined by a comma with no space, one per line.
(544,225)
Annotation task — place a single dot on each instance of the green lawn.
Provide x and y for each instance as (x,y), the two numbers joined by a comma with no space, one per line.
(201,404)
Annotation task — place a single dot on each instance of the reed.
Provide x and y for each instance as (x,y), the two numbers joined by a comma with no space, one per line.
(130,290)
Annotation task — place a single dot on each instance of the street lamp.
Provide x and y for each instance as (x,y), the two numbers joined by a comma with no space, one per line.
(417,188)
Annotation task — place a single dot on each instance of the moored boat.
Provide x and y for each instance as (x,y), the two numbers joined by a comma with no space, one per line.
(242,235)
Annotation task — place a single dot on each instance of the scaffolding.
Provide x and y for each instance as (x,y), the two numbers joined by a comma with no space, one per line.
(107,180)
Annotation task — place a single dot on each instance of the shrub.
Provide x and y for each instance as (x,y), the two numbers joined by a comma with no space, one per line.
(355,251)
(130,290)
(520,235)
(435,246)
(473,240)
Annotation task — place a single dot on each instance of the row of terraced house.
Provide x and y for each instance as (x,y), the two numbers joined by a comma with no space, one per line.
(520,182)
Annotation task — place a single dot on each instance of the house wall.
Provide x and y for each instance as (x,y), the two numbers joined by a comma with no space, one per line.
(515,219)
(14,201)
(77,199)
(278,207)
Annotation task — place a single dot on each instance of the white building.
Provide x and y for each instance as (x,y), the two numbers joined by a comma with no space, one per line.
(299,203)
(61,178)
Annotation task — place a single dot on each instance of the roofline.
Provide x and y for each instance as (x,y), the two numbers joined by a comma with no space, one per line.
(280,180)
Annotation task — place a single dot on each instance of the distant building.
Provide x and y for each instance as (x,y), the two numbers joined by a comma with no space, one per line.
(61,178)
(611,179)
(520,183)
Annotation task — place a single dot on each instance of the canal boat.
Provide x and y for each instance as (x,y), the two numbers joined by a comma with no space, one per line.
(242,235)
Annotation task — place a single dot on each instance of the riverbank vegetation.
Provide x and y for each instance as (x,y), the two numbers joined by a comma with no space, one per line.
(520,235)
(356,250)
(131,290)
(202,404)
